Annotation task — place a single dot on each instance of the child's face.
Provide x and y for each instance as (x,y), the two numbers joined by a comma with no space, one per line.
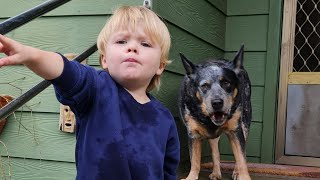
(131,58)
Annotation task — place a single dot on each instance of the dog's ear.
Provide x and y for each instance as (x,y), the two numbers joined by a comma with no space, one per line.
(188,65)
(238,60)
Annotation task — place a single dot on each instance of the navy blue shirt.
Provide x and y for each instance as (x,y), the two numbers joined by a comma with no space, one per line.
(117,137)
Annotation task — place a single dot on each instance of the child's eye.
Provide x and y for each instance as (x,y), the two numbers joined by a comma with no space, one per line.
(145,44)
(121,42)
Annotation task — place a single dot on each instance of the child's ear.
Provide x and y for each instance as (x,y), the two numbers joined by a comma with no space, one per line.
(161,69)
(103,62)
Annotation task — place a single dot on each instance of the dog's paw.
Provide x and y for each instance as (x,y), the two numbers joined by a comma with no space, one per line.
(238,176)
(191,178)
(215,176)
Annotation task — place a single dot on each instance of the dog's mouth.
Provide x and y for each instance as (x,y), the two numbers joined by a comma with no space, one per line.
(218,118)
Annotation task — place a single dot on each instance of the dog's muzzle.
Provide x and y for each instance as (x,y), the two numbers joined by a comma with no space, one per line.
(218,116)
(217,104)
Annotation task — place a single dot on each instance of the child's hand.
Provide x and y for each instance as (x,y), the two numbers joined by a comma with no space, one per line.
(46,64)
(16,52)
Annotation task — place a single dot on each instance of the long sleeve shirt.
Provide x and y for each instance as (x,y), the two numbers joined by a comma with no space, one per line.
(117,137)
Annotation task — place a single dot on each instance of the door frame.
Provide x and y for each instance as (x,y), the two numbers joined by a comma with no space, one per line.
(286,78)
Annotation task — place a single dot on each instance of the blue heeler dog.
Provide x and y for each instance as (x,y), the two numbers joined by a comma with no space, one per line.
(215,99)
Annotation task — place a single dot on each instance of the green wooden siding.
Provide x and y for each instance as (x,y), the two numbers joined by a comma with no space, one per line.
(220,4)
(38,169)
(11,8)
(198,18)
(248,7)
(257,24)
(271,81)
(252,31)
(38,138)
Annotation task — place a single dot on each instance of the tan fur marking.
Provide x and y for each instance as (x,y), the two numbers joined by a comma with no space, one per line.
(235,145)
(241,164)
(230,99)
(215,150)
(198,96)
(235,92)
(196,151)
(204,109)
(216,172)
(202,105)
(195,159)
(195,128)
(232,123)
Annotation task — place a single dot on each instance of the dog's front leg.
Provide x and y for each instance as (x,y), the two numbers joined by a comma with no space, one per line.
(240,169)
(195,157)
(216,172)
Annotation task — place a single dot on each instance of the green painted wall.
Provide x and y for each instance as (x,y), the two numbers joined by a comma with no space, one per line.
(199,29)
(257,24)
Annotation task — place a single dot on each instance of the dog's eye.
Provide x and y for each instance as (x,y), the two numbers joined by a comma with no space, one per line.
(205,86)
(225,83)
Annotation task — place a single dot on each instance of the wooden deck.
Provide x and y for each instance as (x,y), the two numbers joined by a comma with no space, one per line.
(260,171)
(205,174)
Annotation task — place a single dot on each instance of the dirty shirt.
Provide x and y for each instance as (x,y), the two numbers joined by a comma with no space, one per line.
(116,137)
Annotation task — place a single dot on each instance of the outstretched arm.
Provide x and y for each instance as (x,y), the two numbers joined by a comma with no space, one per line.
(48,65)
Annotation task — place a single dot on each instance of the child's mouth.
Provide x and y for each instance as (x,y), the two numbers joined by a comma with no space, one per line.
(130,60)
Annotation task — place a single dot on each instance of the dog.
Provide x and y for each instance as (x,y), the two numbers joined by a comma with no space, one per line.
(214,99)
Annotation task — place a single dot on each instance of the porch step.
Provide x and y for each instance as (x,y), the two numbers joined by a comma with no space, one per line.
(271,170)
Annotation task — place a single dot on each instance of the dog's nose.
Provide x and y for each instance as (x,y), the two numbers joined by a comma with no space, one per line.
(217,103)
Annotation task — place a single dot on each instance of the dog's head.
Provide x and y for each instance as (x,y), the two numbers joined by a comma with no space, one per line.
(214,85)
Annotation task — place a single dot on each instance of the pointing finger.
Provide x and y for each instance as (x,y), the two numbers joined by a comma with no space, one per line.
(4,40)
(9,60)
(7,42)
(8,46)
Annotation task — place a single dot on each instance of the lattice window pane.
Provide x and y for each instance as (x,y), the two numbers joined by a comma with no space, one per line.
(307,37)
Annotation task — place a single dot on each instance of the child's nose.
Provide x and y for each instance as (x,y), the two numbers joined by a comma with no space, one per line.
(132,49)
